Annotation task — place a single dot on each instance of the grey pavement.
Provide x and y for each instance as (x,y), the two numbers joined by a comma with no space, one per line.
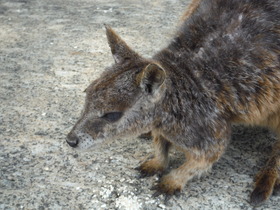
(50,51)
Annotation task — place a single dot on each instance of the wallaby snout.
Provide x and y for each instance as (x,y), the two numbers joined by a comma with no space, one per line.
(72,139)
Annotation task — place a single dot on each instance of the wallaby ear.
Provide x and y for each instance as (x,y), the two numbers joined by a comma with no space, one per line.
(120,50)
(152,78)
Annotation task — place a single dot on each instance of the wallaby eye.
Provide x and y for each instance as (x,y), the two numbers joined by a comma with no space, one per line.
(112,116)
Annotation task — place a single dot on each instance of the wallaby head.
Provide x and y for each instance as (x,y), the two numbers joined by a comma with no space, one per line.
(122,101)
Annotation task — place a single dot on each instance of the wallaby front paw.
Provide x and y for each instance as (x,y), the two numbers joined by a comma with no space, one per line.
(150,168)
(168,186)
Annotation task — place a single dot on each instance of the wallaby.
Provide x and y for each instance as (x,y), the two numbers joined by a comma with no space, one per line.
(221,68)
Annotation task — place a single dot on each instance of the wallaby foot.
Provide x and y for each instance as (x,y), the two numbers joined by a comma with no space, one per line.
(268,179)
(264,186)
(168,185)
(160,161)
(151,167)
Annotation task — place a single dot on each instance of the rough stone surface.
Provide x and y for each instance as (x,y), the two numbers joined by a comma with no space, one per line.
(50,50)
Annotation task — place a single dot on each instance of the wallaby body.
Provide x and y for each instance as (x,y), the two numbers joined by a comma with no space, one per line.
(222,67)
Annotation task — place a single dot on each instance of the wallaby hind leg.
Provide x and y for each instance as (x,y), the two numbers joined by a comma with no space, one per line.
(268,179)
(160,160)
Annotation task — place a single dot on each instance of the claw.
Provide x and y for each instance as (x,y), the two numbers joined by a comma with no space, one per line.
(143,175)
(160,174)
(276,190)
(154,187)
(167,198)
(161,190)
(147,170)
(177,193)
(138,168)
(156,194)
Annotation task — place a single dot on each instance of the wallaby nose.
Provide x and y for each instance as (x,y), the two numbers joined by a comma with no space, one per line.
(72,139)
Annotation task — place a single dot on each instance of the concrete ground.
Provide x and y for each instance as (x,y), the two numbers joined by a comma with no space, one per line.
(50,50)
